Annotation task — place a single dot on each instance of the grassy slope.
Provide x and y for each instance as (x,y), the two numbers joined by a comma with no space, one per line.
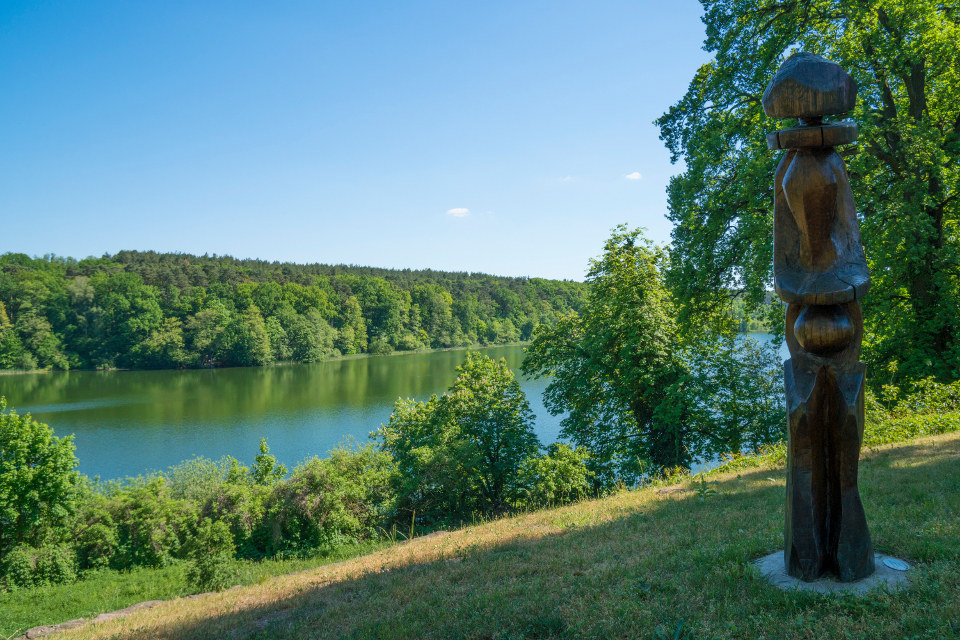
(618,567)
(111,590)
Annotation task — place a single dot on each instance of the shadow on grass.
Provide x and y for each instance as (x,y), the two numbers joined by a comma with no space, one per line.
(677,564)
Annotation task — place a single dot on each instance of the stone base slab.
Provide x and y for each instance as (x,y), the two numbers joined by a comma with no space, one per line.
(773,569)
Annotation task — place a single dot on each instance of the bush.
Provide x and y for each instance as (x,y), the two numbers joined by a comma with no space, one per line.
(198,478)
(925,408)
(380,347)
(25,566)
(558,477)
(38,484)
(151,523)
(95,532)
(241,507)
(210,551)
(328,502)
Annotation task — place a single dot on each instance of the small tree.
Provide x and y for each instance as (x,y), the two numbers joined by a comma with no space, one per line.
(210,551)
(265,469)
(38,483)
(611,367)
(461,453)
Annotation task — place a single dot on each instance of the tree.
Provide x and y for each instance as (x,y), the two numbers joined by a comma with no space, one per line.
(905,170)
(640,394)
(249,342)
(461,453)
(164,348)
(266,471)
(38,483)
(311,338)
(612,367)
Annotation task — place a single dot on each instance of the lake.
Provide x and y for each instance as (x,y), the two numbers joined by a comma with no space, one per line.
(127,423)
(130,422)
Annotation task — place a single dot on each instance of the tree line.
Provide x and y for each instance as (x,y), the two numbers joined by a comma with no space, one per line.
(147,310)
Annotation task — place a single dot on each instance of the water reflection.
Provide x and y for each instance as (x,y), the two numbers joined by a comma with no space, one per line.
(129,422)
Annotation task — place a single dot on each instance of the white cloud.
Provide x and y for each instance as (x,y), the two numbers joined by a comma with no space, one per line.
(633,176)
(568,178)
(459,212)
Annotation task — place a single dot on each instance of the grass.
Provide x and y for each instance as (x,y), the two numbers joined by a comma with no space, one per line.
(110,590)
(662,562)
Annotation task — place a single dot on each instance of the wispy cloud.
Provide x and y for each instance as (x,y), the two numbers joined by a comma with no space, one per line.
(633,176)
(567,178)
(458,212)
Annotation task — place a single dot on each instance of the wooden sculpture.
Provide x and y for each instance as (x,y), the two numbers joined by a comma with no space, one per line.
(821,273)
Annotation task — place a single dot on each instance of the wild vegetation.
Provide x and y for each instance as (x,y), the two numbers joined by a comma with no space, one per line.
(465,456)
(905,169)
(147,310)
(640,393)
(661,562)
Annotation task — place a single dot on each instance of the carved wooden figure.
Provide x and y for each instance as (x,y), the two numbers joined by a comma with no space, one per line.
(821,272)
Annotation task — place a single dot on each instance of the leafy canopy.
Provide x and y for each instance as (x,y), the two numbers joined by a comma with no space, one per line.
(905,169)
(38,483)
(639,394)
(460,453)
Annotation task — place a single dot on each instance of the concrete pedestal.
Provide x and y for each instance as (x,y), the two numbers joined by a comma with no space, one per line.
(773,569)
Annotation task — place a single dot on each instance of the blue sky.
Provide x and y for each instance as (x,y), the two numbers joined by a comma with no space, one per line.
(503,137)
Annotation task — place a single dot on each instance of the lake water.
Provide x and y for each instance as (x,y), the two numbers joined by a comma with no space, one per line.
(130,422)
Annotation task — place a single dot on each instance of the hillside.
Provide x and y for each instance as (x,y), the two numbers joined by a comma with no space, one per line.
(664,562)
(147,310)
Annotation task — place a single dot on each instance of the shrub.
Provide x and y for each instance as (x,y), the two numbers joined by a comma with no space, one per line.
(95,532)
(210,551)
(557,477)
(198,478)
(460,453)
(151,523)
(25,566)
(38,484)
(380,347)
(327,502)
(241,507)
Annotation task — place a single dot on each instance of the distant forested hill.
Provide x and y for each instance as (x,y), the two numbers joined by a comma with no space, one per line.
(166,310)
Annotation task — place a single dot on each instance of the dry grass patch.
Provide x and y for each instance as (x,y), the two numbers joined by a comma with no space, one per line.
(639,564)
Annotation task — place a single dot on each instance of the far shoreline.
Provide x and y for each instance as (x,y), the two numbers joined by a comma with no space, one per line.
(354,356)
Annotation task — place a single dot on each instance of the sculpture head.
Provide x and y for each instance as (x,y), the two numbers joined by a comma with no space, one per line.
(809,87)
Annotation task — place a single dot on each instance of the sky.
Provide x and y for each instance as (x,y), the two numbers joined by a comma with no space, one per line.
(499,137)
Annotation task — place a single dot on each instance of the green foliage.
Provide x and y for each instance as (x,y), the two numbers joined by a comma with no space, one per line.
(637,392)
(240,505)
(905,169)
(328,502)
(25,566)
(460,453)
(149,310)
(734,392)
(265,469)
(210,552)
(151,523)
(703,489)
(38,484)
(559,476)
(610,366)
(926,407)
(197,479)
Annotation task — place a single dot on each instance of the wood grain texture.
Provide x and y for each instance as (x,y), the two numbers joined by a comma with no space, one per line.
(821,272)
(808,86)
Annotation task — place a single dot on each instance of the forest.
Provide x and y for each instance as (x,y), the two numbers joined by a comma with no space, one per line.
(147,310)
